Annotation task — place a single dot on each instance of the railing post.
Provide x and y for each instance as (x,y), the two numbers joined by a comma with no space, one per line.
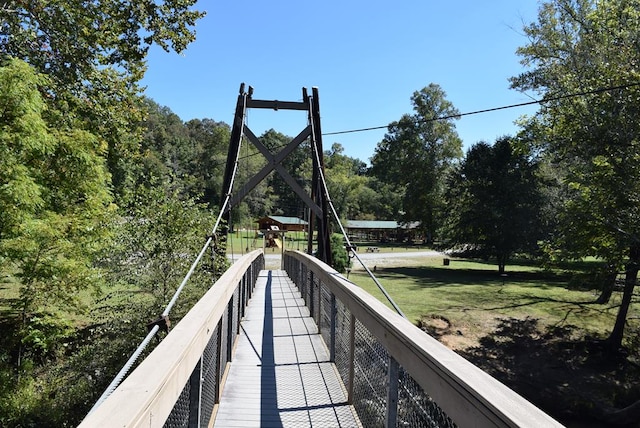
(240,307)
(195,395)
(311,300)
(392,393)
(301,274)
(243,296)
(334,316)
(230,338)
(319,317)
(252,281)
(352,356)
(218,362)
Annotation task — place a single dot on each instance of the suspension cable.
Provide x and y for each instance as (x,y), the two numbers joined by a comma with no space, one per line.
(344,233)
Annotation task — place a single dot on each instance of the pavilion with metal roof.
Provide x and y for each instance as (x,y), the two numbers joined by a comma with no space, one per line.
(377,230)
(290,224)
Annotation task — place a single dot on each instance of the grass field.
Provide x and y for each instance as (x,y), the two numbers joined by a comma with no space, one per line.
(466,300)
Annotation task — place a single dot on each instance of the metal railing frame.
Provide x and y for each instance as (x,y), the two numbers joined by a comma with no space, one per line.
(466,394)
(173,371)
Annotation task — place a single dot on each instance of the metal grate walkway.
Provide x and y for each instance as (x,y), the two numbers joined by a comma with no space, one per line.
(281,375)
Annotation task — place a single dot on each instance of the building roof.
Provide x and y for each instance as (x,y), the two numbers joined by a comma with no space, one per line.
(380,224)
(372,224)
(285,220)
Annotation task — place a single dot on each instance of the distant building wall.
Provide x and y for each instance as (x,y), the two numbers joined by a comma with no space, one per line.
(290,224)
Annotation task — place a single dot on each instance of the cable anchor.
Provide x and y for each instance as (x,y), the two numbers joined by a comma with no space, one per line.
(163,322)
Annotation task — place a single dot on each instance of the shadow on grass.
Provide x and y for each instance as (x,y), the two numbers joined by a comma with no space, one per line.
(432,276)
(570,265)
(574,379)
(489,290)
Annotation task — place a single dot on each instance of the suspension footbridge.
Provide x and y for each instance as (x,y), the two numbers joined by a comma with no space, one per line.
(300,346)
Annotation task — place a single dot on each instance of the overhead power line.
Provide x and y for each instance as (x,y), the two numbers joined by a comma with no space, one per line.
(488,110)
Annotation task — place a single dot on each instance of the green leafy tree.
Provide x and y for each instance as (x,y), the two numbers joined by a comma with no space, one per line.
(379,201)
(211,141)
(72,40)
(416,153)
(54,199)
(345,181)
(25,142)
(579,46)
(157,241)
(494,202)
(94,54)
(150,251)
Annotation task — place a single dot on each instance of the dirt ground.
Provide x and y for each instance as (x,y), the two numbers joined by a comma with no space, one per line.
(573,378)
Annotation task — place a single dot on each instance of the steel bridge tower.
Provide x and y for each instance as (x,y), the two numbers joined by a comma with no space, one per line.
(317,202)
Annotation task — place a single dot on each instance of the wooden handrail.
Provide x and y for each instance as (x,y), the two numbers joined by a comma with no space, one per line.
(468,395)
(148,395)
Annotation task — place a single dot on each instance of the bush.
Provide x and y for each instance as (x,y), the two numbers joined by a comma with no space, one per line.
(339,254)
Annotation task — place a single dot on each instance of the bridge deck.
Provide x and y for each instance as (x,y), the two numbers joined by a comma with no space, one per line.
(281,375)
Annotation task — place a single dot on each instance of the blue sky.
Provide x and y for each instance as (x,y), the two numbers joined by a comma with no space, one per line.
(365,57)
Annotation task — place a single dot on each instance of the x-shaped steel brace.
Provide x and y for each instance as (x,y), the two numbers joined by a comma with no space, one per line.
(275,163)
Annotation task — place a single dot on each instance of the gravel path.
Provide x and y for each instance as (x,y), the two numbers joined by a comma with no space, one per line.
(394,258)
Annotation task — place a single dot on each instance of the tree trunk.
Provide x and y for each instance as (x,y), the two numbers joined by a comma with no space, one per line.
(502,263)
(607,288)
(614,341)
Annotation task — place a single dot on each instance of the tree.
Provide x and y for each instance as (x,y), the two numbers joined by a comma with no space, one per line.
(345,181)
(416,153)
(583,46)
(339,256)
(24,137)
(494,201)
(94,54)
(155,244)
(189,157)
(211,141)
(54,200)
(72,40)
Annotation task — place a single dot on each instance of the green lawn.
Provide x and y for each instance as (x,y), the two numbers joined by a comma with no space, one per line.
(472,296)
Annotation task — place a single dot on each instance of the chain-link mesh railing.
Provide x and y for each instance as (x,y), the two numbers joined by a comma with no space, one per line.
(343,342)
(200,394)
(326,315)
(415,408)
(370,376)
(363,363)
